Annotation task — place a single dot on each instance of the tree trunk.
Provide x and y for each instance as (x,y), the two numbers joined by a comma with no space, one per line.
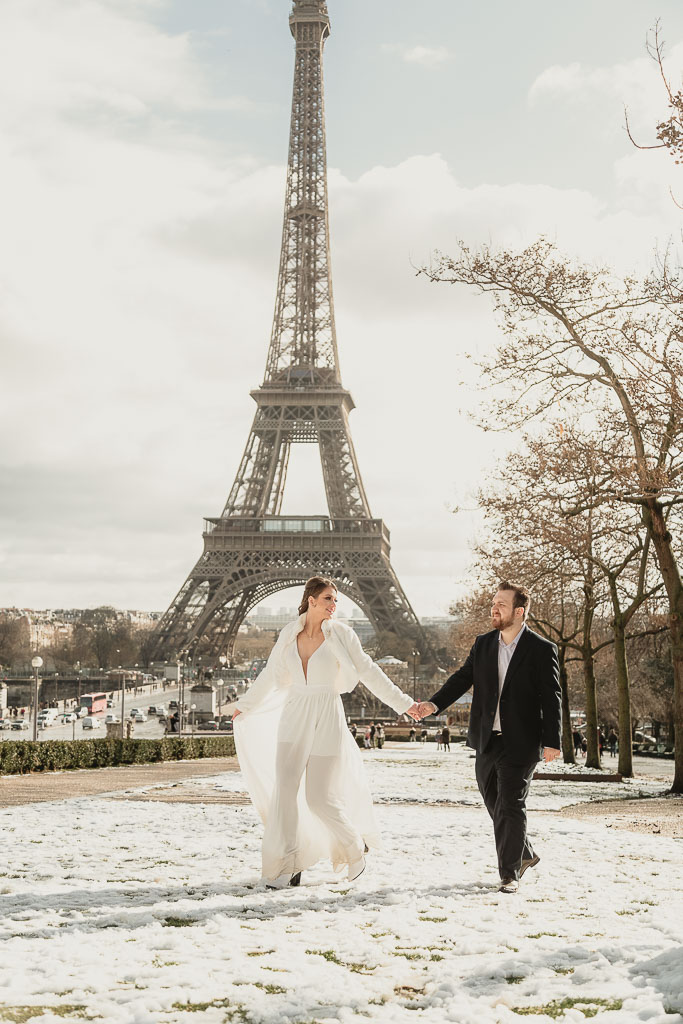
(653,516)
(624,691)
(567,735)
(593,752)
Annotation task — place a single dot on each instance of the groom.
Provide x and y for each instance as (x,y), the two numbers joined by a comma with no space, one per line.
(516,711)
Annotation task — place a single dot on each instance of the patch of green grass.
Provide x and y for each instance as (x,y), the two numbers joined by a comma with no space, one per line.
(21,1014)
(332,958)
(260,952)
(514,979)
(539,935)
(179,922)
(156,962)
(563,970)
(272,990)
(555,1009)
(436,920)
(221,1004)
(627,913)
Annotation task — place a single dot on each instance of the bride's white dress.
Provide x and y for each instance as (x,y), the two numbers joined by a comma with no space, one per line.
(301,765)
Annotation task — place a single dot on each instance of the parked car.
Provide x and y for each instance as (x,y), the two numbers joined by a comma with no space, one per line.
(173,705)
(81,712)
(5,723)
(225,726)
(20,723)
(111,720)
(133,712)
(91,723)
(139,716)
(110,702)
(210,726)
(69,716)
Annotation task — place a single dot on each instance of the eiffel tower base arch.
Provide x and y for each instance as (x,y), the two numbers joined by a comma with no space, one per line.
(246,561)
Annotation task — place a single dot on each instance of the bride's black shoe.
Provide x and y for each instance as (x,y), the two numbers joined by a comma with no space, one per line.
(295,879)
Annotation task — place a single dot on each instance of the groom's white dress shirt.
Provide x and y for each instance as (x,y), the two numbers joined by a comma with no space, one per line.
(505,652)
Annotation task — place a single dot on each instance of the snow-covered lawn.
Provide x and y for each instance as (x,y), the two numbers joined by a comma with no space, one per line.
(136,912)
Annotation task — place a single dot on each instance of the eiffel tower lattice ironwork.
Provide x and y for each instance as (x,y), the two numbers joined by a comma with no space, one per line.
(252,551)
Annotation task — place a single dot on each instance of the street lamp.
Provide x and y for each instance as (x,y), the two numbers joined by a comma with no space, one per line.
(123,700)
(193,708)
(221,690)
(416,655)
(37,663)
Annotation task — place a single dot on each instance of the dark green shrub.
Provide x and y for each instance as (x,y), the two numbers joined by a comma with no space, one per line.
(22,756)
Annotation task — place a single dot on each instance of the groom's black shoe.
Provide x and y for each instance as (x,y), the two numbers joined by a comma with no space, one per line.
(295,879)
(508,885)
(530,863)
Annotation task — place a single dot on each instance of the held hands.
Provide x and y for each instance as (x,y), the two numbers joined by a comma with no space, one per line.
(421,710)
(549,754)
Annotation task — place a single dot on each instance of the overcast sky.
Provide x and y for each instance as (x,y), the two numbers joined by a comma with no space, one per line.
(143,150)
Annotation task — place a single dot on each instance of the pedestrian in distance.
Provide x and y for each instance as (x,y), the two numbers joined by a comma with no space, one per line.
(366,738)
(577,737)
(412,735)
(612,740)
(515,719)
(446,738)
(373,733)
(379,736)
(354,730)
(302,767)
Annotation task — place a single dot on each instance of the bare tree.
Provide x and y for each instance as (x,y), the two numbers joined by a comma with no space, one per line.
(579,332)
(669,132)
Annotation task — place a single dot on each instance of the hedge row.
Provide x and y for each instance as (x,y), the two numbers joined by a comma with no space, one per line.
(22,756)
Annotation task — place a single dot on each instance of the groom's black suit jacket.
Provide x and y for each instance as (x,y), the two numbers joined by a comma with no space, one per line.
(530,702)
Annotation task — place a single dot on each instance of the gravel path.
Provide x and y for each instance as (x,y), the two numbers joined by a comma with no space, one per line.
(44,786)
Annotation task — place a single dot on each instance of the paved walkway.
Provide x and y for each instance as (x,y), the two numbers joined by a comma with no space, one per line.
(44,786)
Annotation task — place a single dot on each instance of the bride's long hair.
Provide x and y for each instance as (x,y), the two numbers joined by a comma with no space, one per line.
(313,587)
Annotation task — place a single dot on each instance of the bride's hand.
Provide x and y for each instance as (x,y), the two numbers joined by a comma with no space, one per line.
(235,713)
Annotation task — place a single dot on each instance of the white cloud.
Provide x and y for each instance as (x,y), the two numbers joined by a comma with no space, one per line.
(426,56)
(634,84)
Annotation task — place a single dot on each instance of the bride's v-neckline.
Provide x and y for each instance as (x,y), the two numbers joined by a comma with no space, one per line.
(304,668)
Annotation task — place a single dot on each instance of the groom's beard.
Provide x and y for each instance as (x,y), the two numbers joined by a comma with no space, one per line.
(500,622)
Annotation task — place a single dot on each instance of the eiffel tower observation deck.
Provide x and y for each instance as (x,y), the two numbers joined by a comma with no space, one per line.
(251,551)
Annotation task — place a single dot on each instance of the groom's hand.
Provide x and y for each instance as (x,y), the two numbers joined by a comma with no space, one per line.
(413,711)
(549,754)
(425,708)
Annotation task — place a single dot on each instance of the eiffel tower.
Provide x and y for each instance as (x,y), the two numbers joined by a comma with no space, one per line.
(251,551)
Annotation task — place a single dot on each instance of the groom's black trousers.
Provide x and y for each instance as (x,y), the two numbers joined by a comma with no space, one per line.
(504,785)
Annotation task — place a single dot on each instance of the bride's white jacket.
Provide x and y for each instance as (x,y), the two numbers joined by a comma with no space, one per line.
(355,665)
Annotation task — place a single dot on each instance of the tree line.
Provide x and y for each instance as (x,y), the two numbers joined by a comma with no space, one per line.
(101,638)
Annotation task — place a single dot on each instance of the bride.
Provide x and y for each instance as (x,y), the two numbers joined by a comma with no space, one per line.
(300,763)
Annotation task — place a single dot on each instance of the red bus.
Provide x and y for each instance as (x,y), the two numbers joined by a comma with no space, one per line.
(94,702)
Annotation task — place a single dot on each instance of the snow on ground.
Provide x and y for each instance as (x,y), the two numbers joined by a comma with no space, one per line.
(132,912)
(416,773)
